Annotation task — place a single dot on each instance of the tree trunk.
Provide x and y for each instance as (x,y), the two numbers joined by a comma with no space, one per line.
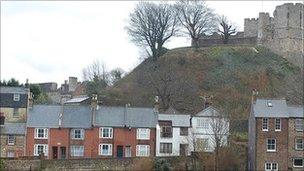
(195,42)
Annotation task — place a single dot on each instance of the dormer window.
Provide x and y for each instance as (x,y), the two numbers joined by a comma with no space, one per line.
(269,104)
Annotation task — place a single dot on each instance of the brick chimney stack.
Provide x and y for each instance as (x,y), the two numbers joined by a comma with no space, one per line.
(207,101)
(94,103)
(254,96)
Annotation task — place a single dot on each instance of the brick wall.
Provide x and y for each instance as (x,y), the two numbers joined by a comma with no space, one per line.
(280,156)
(292,152)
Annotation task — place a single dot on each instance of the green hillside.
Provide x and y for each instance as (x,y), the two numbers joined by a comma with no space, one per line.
(182,76)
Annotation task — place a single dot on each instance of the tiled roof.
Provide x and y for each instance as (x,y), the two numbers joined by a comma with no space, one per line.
(118,117)
(296,111)
(13,128)
(179,120)
(207,112)
(19,90)
(80,116)
(278,108)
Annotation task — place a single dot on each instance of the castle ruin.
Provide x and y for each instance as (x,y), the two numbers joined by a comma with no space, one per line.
(282,33)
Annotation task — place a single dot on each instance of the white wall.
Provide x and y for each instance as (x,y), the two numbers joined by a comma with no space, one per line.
(176,140)
(207,133)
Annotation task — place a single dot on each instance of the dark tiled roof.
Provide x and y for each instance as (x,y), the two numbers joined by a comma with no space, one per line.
(44,116)
(118,117)
(76,117)
(13,128)
(278,109)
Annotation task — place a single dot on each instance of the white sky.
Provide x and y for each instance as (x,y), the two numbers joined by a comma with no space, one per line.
(49,41)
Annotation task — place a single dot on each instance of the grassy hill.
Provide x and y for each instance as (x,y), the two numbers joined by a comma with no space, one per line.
(182,76)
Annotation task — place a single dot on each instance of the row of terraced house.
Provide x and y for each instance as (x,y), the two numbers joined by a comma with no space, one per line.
(93,131)
(275,137)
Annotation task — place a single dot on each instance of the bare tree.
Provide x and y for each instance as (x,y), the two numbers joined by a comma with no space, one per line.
(219,126)
(96,76)
(151,25)
(196,18)
(226,29)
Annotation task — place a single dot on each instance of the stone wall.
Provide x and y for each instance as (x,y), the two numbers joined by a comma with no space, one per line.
(176,163)
(231,41)
(17,148)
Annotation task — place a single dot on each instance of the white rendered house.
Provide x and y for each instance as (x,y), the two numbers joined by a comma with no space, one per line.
(173,135)
(206,126)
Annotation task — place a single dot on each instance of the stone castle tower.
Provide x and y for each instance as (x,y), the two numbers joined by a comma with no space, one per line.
(282,33)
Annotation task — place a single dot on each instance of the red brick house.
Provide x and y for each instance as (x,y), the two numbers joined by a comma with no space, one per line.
(275,136)
(71,131)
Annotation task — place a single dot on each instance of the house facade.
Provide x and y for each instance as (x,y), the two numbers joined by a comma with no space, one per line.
(173,135)
(76,131)
(207,126)
(275,136)
(14,103)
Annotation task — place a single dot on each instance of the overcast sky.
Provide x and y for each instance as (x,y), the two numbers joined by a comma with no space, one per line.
(49,41)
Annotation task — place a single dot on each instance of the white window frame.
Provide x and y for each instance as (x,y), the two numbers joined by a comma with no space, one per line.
(16,97)
(45,149)
(280,121)
(140,147)
(301,123)
(11,139)
(263,124)
(143,133)
(45,133)
(297,166)
(81,134)
(110,146)
(74,149)
(275,145)
(110,132)
(202,123)
(296,144)
(271,166)
(10,154)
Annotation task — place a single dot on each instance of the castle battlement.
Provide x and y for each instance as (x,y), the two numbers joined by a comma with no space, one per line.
(281,33)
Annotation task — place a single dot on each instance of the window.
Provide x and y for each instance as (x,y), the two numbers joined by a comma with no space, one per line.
(184,131)
(105,149)
(165,148)
(265,124)
(298,162)
(142,150)
(128,152)
(40,148)
(10,154)
(16,112)
(299,144)
(271,166)
(277,124)
(77,133)
(271,144)
(16,97)
(299,124)
(77,150)
(106,133)
(41,133)
(166,132)
(10,140)
(143,134)
(202,124)
(202,144)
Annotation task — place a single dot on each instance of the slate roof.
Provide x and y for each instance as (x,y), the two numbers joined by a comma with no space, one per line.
(296,111)
(179,120)
(134,117)
(207,112)
(44,116)
(13,128)
(279,109)
(80,116)
(19,90)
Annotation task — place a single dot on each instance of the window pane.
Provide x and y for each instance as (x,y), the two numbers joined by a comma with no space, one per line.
(298,162)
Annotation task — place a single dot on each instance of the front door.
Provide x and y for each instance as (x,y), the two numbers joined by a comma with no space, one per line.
(55,152)
(62,152)
(119,151)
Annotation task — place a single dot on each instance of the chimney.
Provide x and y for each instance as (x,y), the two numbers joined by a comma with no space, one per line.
(125,113)
(60,120)
(94,103)
(27,85)
(156,104)
(207,101)
(254,95)
(30,100)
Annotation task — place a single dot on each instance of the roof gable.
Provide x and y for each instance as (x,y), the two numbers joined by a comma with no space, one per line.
(209,111)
